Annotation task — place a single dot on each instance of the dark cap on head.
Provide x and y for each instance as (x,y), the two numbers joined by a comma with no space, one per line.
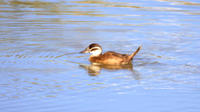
(94,45)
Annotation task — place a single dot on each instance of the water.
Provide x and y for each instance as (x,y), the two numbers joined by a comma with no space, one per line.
(41,69)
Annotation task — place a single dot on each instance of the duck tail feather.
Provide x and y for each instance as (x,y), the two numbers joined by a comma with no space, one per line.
(134,53)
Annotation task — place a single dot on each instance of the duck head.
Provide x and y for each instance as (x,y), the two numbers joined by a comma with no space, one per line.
(94,48)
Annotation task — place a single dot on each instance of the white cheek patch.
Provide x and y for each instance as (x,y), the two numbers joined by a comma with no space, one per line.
(96,52)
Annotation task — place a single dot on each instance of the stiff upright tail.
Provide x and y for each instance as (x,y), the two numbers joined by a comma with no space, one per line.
(133,54)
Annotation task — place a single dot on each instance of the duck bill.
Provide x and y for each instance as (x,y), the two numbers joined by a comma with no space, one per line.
(85,51)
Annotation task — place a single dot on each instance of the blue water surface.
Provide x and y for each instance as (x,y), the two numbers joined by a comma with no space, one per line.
(41,69)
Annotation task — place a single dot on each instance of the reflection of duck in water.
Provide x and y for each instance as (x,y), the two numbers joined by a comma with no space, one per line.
(94,69)
(108,58)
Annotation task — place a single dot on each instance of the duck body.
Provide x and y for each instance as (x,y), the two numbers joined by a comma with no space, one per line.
(108,58)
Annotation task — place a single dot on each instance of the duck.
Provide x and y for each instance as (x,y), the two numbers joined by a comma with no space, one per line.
(109,57)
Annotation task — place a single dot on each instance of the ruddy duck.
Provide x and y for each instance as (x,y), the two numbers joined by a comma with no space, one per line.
(108,58)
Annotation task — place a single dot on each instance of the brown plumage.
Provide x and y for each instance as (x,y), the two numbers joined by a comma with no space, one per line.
(110,57)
